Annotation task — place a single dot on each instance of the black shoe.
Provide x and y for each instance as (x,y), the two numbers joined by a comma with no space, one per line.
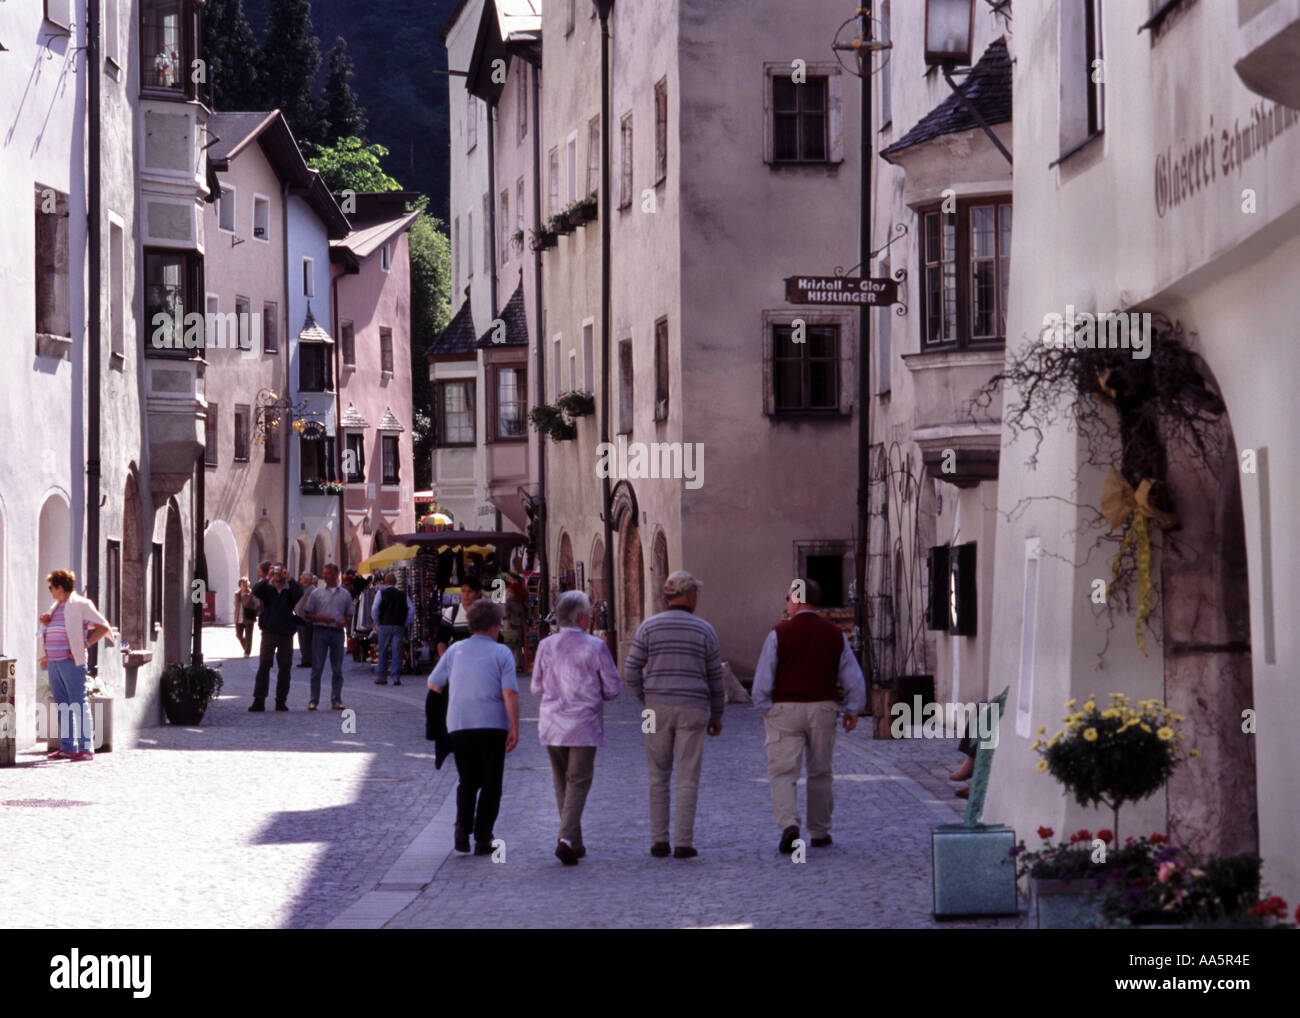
(482,847)
(582,851)
(684,852)
(257,707)
(381,682)
(661,849)
(462,842)
(788,837)
(336,705)
(566,854)
(281,705)
(397,682)
(821,842)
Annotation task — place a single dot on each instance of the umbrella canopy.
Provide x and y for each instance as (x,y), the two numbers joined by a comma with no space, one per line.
(381,559)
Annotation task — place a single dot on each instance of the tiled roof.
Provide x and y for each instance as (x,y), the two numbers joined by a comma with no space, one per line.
(352,418)
(390,423)
(987,88)
(234,131)
(459,336)
(516,320)
(311,332)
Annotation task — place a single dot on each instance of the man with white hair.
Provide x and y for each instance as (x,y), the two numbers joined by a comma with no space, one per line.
(675,670)
(391,612)
(573,675)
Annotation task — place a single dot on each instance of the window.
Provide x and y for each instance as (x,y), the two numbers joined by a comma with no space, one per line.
(210,434)
(519,204)
(392,459)
(348,341)
(116,290)
(314,367)
(261,218)
(965,262)
(573,370)
(242,321)
(169,43)
(593,155)
(226,210)
(507,415)
(113,574)
(316,458)
(487,233)
(625,387)
(471,123)
(661,369)
(571,166)
(553,168)
(805,375)
(827,571)
(625,161)
(555,367)
(241,434)
(455,256)
(308,278)
(156,586)
(354,457)
(568,16)
(170,292)
(885,71)
(661,129)
(271,445)
(454,407)
(112,35)
(1080,95)
(59,12)
(386,352)
(469,244)
(270,328)
(386,258)
(521,104)
(799,120)
(212,320)
(504,230)
(589,356)
(53,290)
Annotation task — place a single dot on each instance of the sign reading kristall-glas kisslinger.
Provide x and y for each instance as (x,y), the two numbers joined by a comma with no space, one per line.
(840,290)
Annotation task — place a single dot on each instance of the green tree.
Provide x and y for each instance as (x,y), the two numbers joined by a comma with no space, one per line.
(430,313)
(350,163)
(287,63)
(343,118)
(230,50)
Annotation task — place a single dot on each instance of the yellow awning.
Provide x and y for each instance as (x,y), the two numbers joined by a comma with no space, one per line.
(381,559)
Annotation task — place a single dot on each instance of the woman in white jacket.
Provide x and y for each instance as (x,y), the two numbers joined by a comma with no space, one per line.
(72,624)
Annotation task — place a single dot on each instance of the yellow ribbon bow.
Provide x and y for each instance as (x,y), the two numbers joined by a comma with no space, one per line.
(1119,501)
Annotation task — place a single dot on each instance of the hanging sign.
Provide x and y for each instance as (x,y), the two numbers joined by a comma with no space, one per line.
(840,290)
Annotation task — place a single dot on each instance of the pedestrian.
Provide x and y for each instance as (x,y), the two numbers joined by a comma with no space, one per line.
(307,583)
(454,624)
(573,676)
(675,670)
(392,612)
(278,595)
(806,669)
(478,676)
(72,625)
(328,608)
(246,609)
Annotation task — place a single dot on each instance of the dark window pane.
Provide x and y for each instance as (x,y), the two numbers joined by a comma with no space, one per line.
(982,290)
(932,237)
(981,232)
(821,384)
(821,342)
(812,95)
(783,94)
(814,136)
(786,137)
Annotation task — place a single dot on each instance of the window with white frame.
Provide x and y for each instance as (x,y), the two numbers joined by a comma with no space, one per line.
(386,257)
(661,129)
(625,160)
(803,125)
(391,448)
(471,122)
(519,204)
(308,278)
(262,218)
(386,352)
(454,409)
(571,166)
(212,319)
(226,210)
(593,155)
(1081,88)
(553,169)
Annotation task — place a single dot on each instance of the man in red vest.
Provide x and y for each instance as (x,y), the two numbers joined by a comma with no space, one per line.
(805,671)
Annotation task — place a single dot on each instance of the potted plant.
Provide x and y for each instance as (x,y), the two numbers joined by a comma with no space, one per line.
(550,420)
(335,488)
(543,239)
(559,224)
(588,209)
(1182,888)
(187,690)
(576,403)
(517,239)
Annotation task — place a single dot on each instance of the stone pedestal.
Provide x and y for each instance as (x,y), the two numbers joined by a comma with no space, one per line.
(974,873)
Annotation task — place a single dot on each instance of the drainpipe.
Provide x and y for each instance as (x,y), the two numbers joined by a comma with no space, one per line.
(94,316)
(603,8)
(540,372)
(338,405)
(864,358)
(492,211)
(282,432)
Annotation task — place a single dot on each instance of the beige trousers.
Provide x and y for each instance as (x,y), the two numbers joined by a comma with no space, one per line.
(572,767)
(678,738)
(793,728)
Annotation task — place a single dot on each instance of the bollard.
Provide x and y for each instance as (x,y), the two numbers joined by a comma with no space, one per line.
(8,712)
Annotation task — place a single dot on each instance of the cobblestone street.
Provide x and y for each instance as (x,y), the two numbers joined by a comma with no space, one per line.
(281,820)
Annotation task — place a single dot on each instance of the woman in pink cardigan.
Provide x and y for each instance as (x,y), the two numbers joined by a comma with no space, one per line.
(72,624)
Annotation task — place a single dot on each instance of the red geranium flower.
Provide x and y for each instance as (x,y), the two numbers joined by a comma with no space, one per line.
(1082,834)
(1157,839)
(1106,835)
(1045,832)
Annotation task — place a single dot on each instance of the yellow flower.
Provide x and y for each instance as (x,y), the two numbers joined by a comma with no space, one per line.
(1145,728)
(1090,734)
(1041,766)
(1042,729)
(1179,717)
(1054,739)
(1164,734)
(1192,752)
(1110,713)
(1090,705)
(1033,748)
(1069,704)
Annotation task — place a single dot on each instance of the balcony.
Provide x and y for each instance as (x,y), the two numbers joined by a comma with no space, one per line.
(945,384)
(176,411)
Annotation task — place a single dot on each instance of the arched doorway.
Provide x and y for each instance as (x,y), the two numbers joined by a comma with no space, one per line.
(54,542)
(321,552)
(262,547)
(176,604)
(221,553)
(658,570)
(133,564)
(352,555)
(631,582)
(379,542)
(567,574)
(596,578)
(300,555)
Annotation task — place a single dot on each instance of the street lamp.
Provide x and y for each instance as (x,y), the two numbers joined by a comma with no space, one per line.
(949,28)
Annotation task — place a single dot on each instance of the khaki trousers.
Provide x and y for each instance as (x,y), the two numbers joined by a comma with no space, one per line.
(572,767)
(792,728)
(678,737)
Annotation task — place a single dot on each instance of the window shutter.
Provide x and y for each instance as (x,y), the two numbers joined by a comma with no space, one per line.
(1075,74)
(937,612)
(59,12)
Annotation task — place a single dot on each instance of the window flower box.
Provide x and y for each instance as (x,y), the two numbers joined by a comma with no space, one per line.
(313,487)
(576,404)
(587,209)
(543,239)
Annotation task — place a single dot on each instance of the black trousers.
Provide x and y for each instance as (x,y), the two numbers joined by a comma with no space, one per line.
(277,647)
(304,643)
(244,633)
(481,763)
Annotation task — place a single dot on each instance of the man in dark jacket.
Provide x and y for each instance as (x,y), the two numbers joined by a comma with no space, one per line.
(278,594)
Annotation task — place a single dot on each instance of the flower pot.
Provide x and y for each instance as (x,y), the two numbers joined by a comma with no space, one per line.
(183,710)
(1066,904)
(580,406)
(564,433)
(587,212)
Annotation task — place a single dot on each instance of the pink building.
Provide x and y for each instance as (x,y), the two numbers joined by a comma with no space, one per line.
(371,284)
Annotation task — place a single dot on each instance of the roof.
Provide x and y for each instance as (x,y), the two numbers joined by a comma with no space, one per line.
(379,216)
(233,133)
(516,320)
(459,336)
(519,20)
(352,418)
(390,422)
(987,88)
(311,332)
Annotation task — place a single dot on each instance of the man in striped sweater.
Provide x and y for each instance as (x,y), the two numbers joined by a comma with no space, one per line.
(675,669)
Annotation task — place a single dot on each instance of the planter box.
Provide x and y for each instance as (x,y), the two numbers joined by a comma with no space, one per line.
(565,433)
(1066,904)
(587,213)
(584,407)
(974,874)
(545,241)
